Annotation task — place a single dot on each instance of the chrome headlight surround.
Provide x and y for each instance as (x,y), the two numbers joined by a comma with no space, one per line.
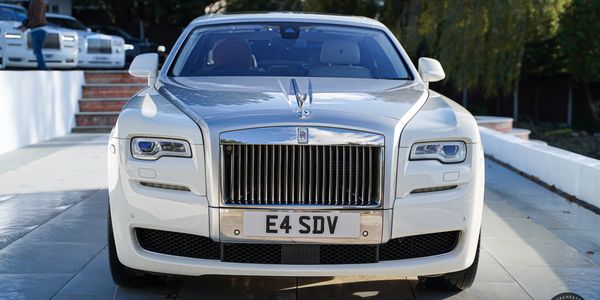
(447,152)
(154,148)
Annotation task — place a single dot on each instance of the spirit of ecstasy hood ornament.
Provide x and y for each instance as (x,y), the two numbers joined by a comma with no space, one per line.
(301,98)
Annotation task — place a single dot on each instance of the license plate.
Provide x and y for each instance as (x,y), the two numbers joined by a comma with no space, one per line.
(100,58)
(48,56)
(301,224)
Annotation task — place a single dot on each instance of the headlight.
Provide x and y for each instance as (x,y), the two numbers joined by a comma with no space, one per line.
(129,47)
(68,38)
(161,48)
(12,35)
(155,148)
(445,152)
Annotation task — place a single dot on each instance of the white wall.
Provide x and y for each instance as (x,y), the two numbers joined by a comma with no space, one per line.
(64,6)
(37,105)
(572,173)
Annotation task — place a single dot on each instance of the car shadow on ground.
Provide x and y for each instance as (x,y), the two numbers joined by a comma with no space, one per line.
(256,287)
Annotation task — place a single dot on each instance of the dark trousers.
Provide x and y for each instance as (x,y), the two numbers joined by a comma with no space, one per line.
(38,36)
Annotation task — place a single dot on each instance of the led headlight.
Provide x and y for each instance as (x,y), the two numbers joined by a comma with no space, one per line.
(129,47)
(68,38)
(445,152)
(155,148)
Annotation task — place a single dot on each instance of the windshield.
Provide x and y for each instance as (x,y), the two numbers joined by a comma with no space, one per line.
(9,14)
(289,49)
(67,23)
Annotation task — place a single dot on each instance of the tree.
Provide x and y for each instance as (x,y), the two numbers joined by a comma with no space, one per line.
(366,8)
(263,5)
(481,43)
(578,38)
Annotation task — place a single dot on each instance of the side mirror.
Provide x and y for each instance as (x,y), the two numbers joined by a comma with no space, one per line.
(145,65)
(430,70)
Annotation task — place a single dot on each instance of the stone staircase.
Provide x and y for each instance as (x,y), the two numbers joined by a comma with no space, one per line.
(103,96)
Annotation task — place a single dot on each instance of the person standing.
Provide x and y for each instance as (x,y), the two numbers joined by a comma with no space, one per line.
(36,20)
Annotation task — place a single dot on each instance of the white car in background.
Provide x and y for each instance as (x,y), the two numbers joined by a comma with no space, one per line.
(284,144)
(60,48)
(98,51)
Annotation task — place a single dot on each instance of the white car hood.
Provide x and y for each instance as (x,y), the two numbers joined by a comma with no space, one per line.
(215,98)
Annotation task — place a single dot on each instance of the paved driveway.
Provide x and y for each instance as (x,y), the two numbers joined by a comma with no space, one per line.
(53,240)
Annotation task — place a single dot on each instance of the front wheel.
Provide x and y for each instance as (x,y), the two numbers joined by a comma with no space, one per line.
(455,281)
(121,274)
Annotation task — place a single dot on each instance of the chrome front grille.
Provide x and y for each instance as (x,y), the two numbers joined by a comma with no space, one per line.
(99,46)
(52,41)
(348,175)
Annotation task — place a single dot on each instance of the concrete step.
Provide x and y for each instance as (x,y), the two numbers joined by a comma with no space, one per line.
(113,90)
(92,129)
(102,104)
(521,133)
(92,77)
(502,124)
(96,118)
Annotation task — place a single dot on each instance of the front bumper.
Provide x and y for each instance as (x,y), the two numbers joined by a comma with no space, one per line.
(101,61)
(21,57)
(137,206)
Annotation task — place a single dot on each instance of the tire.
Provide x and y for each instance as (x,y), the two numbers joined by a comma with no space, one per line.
(123,275)
(455,281)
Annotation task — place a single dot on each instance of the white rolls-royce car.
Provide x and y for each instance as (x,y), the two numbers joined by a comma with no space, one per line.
(96,50)
(59,49)
(293,145)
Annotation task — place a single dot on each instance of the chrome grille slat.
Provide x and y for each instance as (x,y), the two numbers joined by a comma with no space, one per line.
(357,165)
(279,182)
(246,175)
(266,181)
(259,185)
(301,175)
(293,175)
(363,178)
(323,179)
(252,177)
(371,175)
(285,174)
(330,174)
(339,175)
(273,174)
(309,185)
(336,185)
(343,175)
(239,183)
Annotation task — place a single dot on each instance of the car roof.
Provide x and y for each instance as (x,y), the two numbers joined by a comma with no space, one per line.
(60,16)
(287,17)
(17,7)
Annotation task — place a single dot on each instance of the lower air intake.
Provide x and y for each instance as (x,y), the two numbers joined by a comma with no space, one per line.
(193,246)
